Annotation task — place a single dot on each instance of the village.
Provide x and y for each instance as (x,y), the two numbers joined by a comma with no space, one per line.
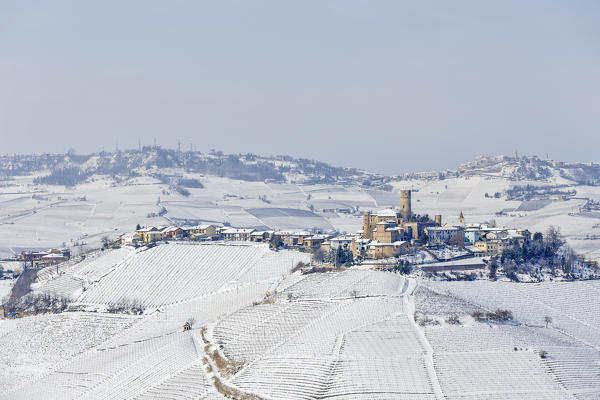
(388,235)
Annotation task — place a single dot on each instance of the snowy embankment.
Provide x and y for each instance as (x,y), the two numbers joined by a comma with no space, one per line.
(344,335)
(174,273)
(119,356)
(549,351)
(6,287)
(260,332)
(70,279)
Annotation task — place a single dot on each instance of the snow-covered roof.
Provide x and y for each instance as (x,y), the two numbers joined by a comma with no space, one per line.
(238,230)
(341,239)
(54,255)
(292,233)
(376,243)
(319,237)
(442,228)
(170,229)
(394,228)
(204,226)
(474,261)
(387,212)
(151,229)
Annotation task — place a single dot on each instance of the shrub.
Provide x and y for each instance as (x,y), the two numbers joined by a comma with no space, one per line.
(183,191)
(298,267)
(453,320)
(426,320)
(38,304)
(500,315)
(191,183)
(478,316)
(126,307)
(512,276)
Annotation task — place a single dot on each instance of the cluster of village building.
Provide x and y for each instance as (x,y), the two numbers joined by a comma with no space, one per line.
(385,234)
(44,258)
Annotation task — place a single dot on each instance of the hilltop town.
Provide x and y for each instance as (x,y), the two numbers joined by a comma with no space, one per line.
(389,238)
(200,286)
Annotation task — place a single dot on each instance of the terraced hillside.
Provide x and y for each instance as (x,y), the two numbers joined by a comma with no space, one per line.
(261,332)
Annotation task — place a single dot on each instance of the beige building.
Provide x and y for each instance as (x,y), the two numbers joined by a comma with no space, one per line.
(149,235)
(487,247)
(387,232)
(202,230)
(315,240)
(377,250)
(370,220)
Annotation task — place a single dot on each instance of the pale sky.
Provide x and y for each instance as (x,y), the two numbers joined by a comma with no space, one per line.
(389,86)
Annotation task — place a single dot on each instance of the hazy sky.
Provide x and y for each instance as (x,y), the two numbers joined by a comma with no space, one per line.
(390,86)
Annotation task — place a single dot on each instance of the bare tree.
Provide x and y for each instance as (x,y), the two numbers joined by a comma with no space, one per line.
(82,251)
(298,266)
(318,255)
(554,239)
(105,242)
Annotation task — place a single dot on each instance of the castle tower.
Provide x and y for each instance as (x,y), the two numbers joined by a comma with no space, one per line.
(405,205)
(367,227)
(438,220)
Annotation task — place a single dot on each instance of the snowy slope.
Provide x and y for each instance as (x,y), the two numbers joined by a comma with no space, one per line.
(260,331)
(329,341)
(481,359)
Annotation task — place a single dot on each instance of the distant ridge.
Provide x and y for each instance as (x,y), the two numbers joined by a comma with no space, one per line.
(71,169)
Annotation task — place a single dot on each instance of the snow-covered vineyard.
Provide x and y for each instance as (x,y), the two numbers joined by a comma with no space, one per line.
(259,331)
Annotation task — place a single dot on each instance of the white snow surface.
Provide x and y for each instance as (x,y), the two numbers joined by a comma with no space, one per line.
(352,334)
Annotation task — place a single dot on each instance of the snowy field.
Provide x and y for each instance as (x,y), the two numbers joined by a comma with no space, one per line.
(38,217)
(179,282)
(503,360)
(5,288)
(260,331)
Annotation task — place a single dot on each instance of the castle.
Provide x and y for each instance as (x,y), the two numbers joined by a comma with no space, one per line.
(389,226)
(389,231)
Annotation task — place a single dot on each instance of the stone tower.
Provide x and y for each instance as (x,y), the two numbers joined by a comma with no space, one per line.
(438,220)
(405,205)
(367,226)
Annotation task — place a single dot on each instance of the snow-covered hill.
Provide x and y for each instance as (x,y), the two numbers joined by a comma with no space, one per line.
(260,332)
(110,193)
